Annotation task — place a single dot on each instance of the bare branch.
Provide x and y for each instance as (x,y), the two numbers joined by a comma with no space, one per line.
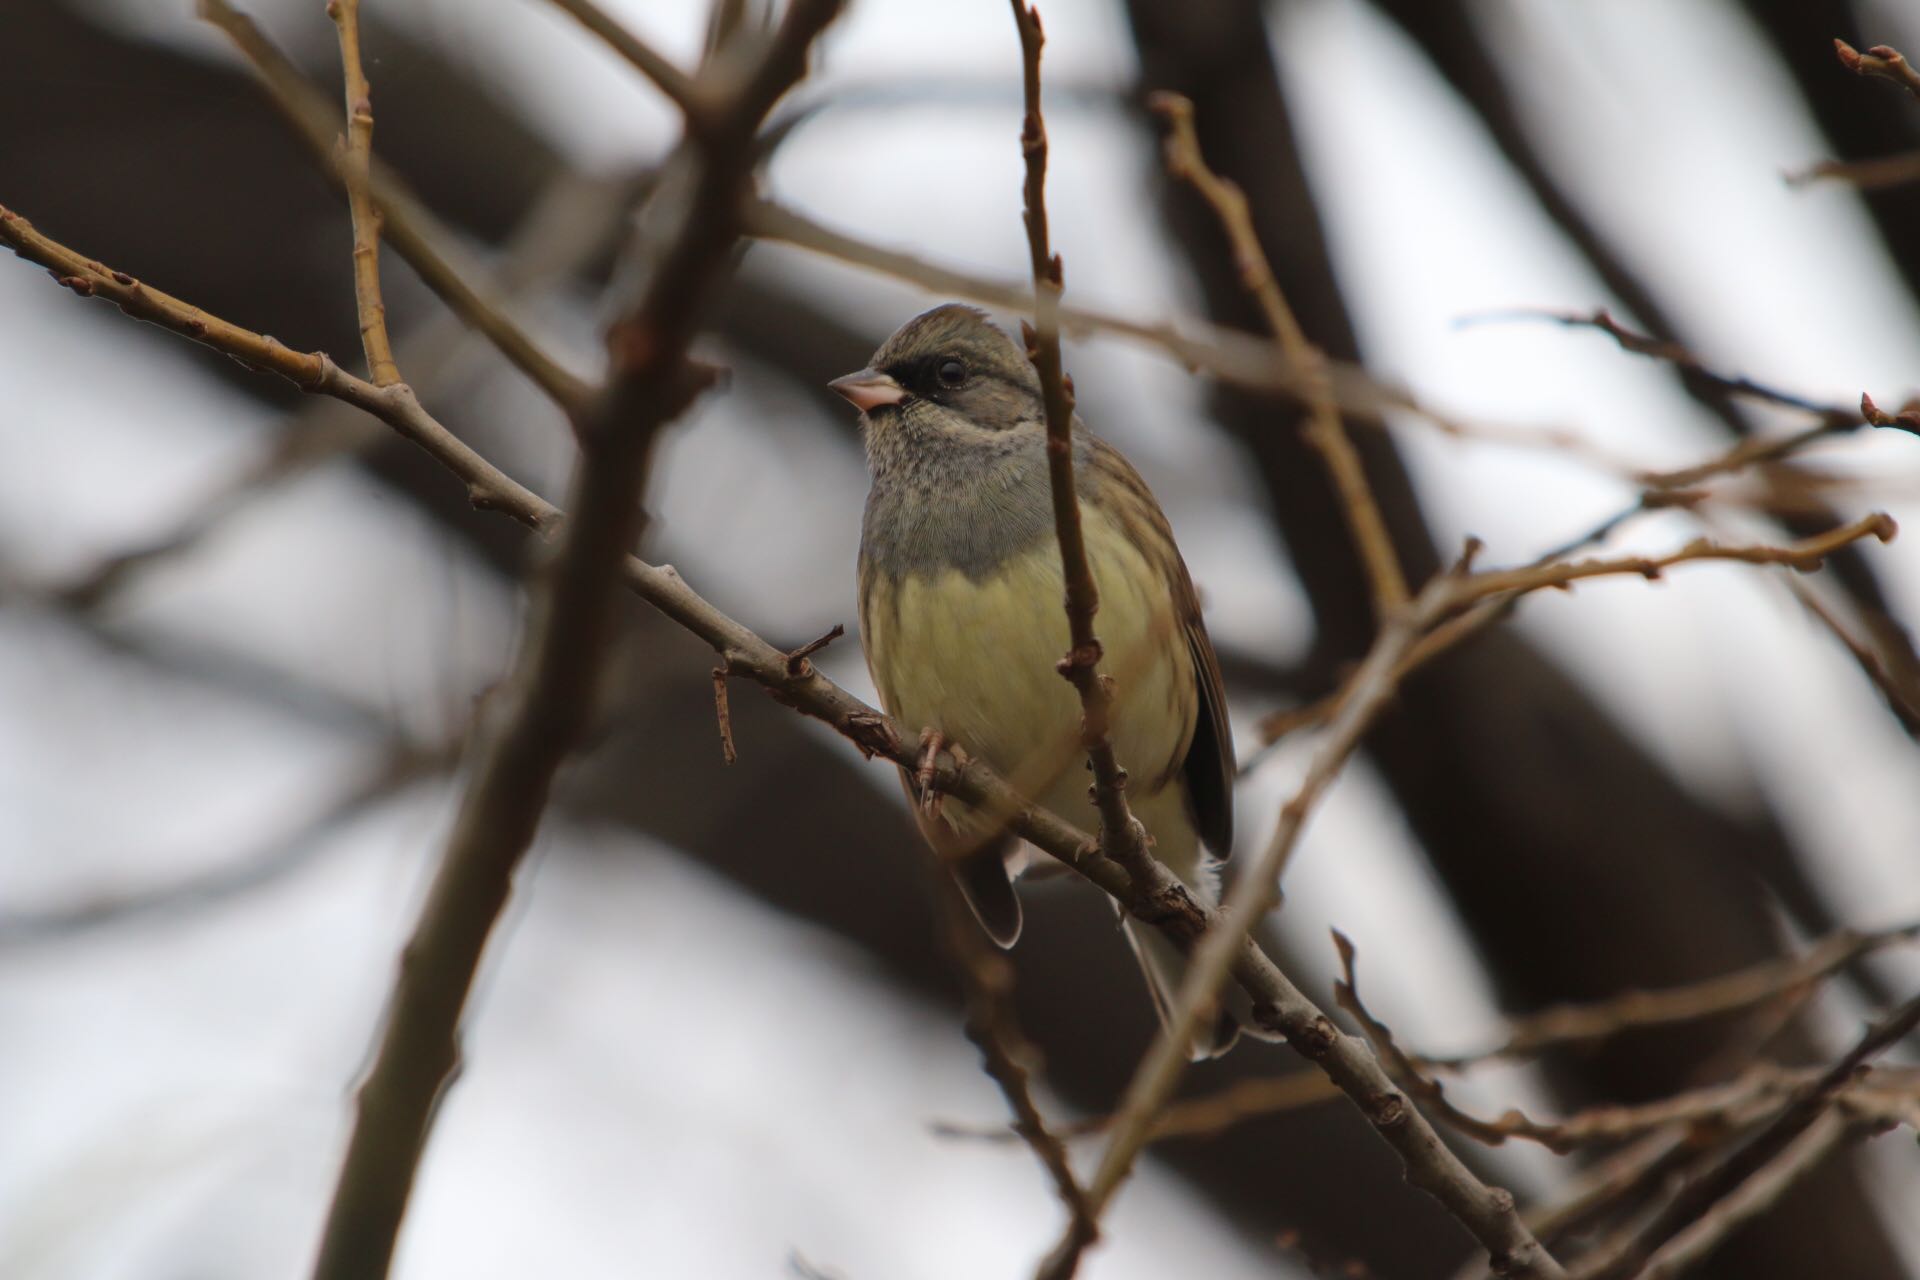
(1876,174)
(356,166)
(1122,838)
(1584,1024)
(549,695)
(411,228)
(1487,1212)
(1837,417)
(1906,419)
(1485,598)
(1004,1051)
(1806,554)
(1882,61)
(1751,1198)
(1701,1195)
(1325,431)
(652,64)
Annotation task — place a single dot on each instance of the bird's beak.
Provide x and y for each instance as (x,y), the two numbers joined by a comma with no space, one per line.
(869,389)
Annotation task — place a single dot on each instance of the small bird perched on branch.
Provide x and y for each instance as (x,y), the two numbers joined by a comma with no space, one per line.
(961,618)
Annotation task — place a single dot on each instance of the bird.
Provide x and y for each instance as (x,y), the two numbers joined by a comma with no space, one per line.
(962,622)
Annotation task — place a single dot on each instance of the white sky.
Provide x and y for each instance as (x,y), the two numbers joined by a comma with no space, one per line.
(163,1079)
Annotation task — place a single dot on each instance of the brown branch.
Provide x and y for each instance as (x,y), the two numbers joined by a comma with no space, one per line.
(1714,1103)
(723,715)
(1122,837)
(1325,431)
(1876,174)
(1483,598)
(1806,554)
(1584,1024)
(1701,1195)
(1238,357)
(987,978)
(356,167)
(411,228)
(1202,1117)
(1906,419)
(652,64)
(1622,1178)
(327,429)
(1882,61)
(1486,1211)
(1898,689)
(1835,417)
(1243,359)
(1577,1025)
(550,693)
(1750,1199)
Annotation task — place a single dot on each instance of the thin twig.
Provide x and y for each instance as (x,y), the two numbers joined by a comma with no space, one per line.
(1487,1212)
(550,693)
(1484,598)
(1243,359)
(1806,554)
(723,715)
(356,166)
(1562,1026)
(411,228)
(1839,417)
(1751,1198)
(1898,687)
(1122,838)
(1882,61)
(987,978)
(1580,1024)
(650,62)
(1699,1196)
(1905,419)
(548,243)
(1325,432)
(1597,1124)
(1876,174)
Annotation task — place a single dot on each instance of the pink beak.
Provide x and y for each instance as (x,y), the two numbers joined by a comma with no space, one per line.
(869,389)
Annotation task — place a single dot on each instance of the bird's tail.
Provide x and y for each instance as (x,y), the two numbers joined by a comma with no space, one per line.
(1164,966)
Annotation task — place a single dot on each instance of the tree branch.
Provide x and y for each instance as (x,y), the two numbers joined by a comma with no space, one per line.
(1882,61)
(651,63)
(1121,836)
(1751,1198)
(356,166)
(1698,1198)
(988,980)
(1324,429)
(550,693)
(412,229)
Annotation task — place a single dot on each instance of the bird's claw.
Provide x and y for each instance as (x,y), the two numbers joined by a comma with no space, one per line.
(931,743)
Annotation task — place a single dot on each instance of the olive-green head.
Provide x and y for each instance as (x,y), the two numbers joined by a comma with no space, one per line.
(950,371)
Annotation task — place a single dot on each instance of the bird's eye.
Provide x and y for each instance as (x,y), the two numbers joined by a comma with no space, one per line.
(952,373)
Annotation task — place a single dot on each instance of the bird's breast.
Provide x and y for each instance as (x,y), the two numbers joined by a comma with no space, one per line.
(975,657)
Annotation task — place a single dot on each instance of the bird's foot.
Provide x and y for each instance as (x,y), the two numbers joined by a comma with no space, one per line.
(932,741)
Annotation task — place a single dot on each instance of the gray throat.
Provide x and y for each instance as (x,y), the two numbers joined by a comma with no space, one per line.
(939,503)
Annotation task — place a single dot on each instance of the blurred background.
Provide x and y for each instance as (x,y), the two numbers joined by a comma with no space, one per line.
(242,633)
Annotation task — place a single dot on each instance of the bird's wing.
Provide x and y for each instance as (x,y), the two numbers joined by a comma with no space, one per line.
(1208,770)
